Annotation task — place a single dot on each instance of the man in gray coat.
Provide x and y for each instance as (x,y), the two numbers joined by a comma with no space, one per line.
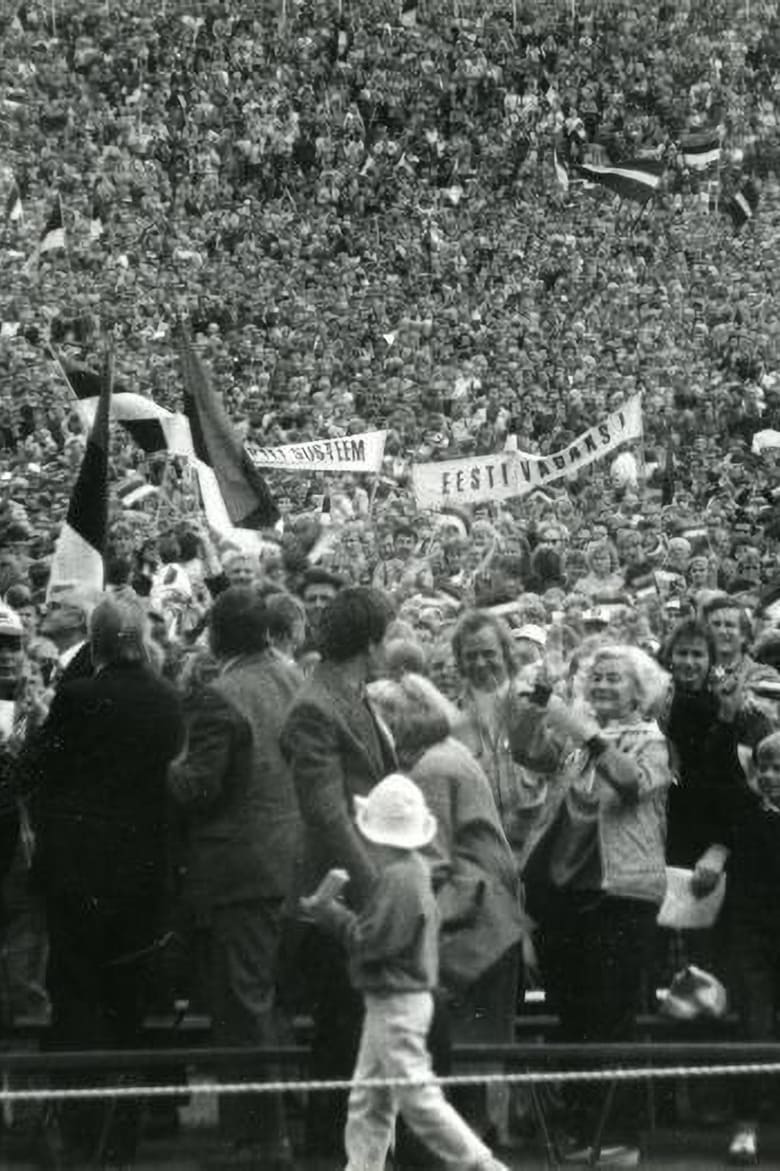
(244,840)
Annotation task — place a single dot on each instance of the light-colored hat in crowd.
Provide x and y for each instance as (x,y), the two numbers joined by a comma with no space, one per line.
(395,814)
(532,632)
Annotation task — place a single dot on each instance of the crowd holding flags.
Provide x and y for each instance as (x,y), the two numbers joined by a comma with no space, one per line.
(234,494)
(639,179)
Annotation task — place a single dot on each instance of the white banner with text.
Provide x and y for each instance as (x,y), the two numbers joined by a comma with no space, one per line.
(514,473)
(351,453)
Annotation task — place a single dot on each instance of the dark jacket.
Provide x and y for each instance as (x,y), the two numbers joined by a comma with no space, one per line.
(706,763)
(97,774)
(79,667)
(754,862)
(244,824)
(337,749)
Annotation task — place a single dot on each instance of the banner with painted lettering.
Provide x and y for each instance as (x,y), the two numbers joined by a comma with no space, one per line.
(514,473)
(352,453)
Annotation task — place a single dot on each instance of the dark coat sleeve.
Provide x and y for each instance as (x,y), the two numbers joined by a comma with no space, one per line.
(216,730)
(311,745)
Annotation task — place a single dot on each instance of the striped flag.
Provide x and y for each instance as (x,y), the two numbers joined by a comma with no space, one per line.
(152,427)
(78,556)
(561,174)
(243,492)
(701,149)
(635,179)
(743,205)
(13,205)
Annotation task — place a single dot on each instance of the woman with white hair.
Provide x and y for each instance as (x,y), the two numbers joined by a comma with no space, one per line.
(594,869)
(473,869)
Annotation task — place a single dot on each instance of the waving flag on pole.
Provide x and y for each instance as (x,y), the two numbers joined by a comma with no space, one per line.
(151,426)
(243,490)
(743,205)
(634,179)
(78,556)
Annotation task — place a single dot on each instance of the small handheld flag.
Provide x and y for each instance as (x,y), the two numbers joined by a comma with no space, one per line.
(409,13)
(13,205)
(743,205)
(53,234)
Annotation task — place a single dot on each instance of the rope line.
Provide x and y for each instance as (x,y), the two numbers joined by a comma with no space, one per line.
(553,1077)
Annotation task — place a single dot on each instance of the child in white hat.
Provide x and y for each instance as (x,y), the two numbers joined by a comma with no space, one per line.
(393,949)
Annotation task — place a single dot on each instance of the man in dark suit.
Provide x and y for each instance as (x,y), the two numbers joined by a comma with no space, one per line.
(244,840)
(97,776)
(337,750)
(65,623)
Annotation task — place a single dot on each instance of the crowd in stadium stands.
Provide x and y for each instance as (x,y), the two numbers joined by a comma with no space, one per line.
(373,218)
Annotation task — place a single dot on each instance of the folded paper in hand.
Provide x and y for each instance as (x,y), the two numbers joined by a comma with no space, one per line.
(682,909)
(331,886)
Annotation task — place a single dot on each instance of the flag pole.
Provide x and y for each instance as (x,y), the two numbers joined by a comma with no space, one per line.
(64,234)
(61,368)
(372,498)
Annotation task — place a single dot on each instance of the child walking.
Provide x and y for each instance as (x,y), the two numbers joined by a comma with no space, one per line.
(393,951)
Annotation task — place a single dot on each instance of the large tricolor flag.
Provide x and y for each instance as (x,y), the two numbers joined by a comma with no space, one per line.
(152,427)
(701,149)
(78,555)
(222,460)
(635,179)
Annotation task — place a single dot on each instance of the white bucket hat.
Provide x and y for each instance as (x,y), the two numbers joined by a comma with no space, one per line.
(395,814)
(693,994)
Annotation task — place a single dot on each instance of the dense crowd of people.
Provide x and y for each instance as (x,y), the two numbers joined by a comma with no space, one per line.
(359,213)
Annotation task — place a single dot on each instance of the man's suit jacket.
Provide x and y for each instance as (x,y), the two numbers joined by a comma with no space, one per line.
(79,667)
(337,750)
(97,770)
(244,825)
